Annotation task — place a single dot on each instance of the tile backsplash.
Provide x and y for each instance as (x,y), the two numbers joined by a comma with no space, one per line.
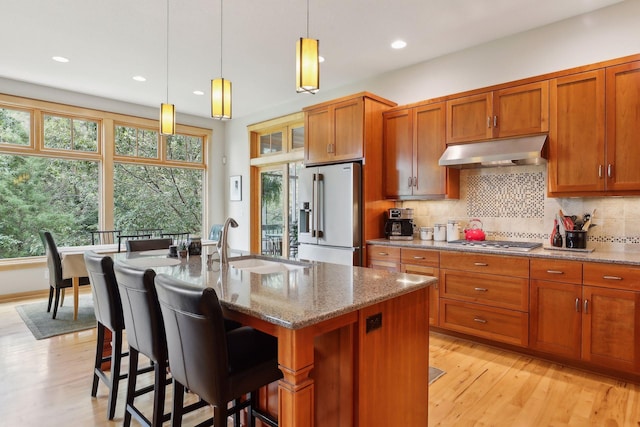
(512,204)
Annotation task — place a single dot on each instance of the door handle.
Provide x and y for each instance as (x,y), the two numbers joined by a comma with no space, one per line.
(586,306)
(577,305)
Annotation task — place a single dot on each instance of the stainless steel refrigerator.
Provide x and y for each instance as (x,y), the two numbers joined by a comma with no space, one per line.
(330,223)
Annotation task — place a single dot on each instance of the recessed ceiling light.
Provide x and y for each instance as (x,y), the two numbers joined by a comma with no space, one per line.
(60,59)
(398,44)
(198,92)
(320,58)
(139,78)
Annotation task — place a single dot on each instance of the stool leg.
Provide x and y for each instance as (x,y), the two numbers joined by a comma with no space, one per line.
(98,362)
(131,386)
(178,404)
(116,355)
(160,371)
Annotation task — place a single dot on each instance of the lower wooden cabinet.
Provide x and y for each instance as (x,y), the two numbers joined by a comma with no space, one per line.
(425,262)
(383,257)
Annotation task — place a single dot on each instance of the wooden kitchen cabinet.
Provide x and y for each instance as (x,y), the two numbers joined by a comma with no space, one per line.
(555,311)
(383,257)
(577,134)
(413,143)
(339,130)
(485,295)
(595,114)
(513,111)
(426,263)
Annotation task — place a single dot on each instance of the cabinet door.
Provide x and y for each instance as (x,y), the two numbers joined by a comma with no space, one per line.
(576,133)
(429,144)
(383,257)
(348,136)
(434,296)
(521,110)
(398,153)
(318,135)
(611,328)
(555,318)
(623,127)
(469,118)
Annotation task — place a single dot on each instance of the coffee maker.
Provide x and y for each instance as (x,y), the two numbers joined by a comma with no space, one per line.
(399,224)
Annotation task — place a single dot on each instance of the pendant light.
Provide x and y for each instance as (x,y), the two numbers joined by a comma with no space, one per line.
(307,63)
(167,111)
(220,88)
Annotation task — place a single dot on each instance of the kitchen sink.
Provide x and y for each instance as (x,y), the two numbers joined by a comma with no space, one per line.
(265,266)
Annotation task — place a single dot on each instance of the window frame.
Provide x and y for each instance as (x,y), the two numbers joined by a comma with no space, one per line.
(105,154)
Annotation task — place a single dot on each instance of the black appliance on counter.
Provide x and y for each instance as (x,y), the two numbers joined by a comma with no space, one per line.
(399,224)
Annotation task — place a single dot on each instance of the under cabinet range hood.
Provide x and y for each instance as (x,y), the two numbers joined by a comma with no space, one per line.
(528,150)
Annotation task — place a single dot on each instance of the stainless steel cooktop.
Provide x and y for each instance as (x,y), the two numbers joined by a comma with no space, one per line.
(498,244)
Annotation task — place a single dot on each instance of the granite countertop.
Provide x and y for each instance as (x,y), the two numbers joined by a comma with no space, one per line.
(297,298)
(626,258)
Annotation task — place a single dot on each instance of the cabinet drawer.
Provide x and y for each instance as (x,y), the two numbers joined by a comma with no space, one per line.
(483,263)
(496,324)
(499,291)
(420,256)
(384,252)
(612,276)
(556,270)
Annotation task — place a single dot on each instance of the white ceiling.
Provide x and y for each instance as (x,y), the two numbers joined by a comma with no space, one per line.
(108,42)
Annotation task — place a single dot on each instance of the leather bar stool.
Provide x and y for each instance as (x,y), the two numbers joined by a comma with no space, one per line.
(146,336)
(108,310)
(217,364)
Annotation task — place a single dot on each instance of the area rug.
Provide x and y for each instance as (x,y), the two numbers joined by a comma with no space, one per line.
(434,374)
(42,326)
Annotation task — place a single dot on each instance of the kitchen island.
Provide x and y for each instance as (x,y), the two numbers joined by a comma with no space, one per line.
(352,342)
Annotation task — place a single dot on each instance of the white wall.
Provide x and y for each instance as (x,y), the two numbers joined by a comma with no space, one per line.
(605,34)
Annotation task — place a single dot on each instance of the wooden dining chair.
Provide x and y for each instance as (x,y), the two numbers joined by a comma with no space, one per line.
(56,282)
(217,364)
(177,237)
(124,238)
(148,244)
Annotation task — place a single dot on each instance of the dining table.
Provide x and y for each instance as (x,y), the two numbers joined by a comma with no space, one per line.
(330,320)
(73,266)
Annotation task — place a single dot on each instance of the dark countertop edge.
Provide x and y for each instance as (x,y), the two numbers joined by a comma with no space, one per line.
(428,281)
(623,258)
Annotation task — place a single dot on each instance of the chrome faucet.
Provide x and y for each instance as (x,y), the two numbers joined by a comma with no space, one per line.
(223,250)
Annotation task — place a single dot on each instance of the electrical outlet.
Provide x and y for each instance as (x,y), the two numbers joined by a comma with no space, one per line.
(374,322)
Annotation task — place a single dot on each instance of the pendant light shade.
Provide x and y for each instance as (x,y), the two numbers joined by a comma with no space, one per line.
(167,119)
(220,98)
(307,65)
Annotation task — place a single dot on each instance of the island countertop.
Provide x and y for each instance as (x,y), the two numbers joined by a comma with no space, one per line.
(294,299)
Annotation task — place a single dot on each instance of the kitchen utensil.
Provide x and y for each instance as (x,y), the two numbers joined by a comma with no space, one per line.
(474,230)
(567,222)
(588,219)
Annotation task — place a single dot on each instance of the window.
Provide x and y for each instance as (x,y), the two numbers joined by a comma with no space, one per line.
(135,142)
(39,193)
(184,148)
(15,127)
(151,197)
(271,143)
(64,133)
(61,179)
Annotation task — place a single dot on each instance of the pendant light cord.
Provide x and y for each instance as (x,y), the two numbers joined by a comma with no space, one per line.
(307,18)
(221,21)
(167,51)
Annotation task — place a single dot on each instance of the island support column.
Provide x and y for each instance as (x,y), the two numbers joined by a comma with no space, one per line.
(296,391)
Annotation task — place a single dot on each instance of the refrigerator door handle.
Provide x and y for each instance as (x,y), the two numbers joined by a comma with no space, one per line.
(314,205)
(319,206)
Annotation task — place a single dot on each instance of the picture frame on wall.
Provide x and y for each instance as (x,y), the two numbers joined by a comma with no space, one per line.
(235,188)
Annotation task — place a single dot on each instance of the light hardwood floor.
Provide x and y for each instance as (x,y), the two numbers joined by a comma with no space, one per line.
(48,382)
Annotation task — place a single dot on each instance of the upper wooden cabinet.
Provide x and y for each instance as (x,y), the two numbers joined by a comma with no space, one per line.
(513,111)
(594,130)
(339,130)
(576,136)
(413,143)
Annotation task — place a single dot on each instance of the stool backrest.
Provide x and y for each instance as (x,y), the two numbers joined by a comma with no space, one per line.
(196,337)
(106,297)
(142,316)
(148,244)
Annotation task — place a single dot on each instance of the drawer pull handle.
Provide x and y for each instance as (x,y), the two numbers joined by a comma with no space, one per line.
(383,253)
(479,320)
(418,257)
(480,289)
(612,277)
(555,272)
(480,264)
